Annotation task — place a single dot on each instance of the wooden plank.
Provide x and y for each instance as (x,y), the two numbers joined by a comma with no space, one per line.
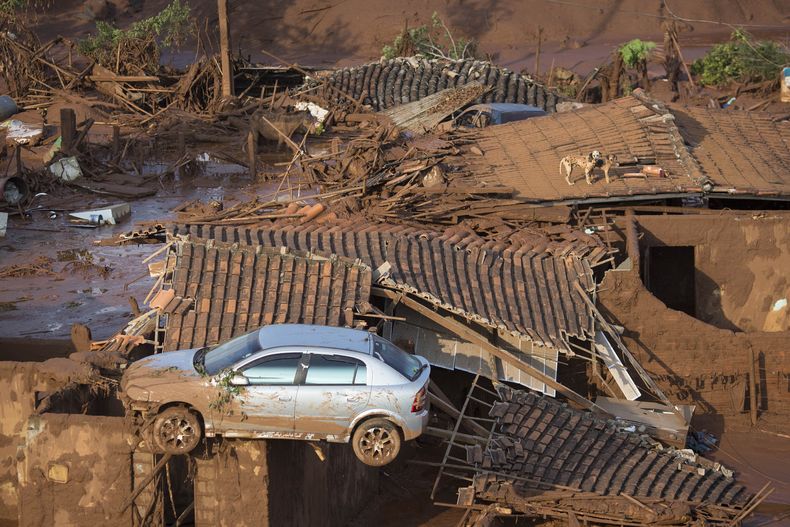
(638,367)
(472,336)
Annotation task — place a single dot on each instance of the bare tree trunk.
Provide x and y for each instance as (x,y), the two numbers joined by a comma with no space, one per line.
(224,42)
(614,80)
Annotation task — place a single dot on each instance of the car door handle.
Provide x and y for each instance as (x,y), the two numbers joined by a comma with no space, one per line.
(286,398)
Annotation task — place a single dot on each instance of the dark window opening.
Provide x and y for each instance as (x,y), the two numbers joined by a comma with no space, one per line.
(669,275)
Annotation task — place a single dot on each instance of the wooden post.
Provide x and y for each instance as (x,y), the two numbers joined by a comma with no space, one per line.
(537,52)
(632,240)
(224,42)
(753,400)
(252,145)
(19,165)
(68,129)
(116,141)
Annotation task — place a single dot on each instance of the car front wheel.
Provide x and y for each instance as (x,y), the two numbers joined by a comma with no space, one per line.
(376,442)
(177,430)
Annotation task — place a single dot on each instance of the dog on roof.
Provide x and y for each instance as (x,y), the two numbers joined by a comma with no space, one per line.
(589,162)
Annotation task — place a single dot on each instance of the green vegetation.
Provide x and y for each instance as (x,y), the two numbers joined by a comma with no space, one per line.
(140,43)
(635,53)
(741,59)
(226,392)
(10,8)
(434,41)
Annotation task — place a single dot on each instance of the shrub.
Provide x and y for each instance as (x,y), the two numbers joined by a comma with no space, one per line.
(741,59)
(434,41)
(636,52)
(141,42)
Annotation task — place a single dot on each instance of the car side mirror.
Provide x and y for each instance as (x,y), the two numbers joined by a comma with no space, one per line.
(239,380)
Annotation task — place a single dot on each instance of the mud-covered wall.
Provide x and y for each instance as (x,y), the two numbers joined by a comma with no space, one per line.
(697,363)
(74,470)
(307,492)
(19,382)
(232,486)
(742,265)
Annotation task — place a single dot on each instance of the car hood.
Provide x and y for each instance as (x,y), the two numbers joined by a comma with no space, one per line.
(159,371)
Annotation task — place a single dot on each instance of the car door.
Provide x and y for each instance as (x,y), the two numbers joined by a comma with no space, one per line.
(268,402)
(333,392)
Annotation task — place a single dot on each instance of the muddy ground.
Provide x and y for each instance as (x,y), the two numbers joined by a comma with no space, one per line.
(576,34)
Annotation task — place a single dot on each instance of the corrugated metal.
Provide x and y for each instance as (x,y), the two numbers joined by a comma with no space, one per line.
(239,288)
(517,290)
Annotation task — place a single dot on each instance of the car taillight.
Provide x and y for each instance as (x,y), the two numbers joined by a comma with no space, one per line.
(419,401)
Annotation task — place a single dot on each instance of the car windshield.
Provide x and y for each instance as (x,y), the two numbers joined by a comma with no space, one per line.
(226,355)
(407,365)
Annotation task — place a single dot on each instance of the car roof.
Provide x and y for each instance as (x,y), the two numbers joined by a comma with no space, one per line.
(279,335)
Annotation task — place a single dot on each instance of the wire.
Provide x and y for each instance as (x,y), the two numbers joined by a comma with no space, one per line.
(652,15)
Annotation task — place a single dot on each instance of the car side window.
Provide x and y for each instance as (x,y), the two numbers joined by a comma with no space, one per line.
(276,369)
(335,370)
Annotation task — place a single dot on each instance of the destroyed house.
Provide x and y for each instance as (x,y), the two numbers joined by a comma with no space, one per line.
(525,295)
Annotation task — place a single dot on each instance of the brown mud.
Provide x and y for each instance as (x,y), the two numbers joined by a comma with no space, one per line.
(575,34)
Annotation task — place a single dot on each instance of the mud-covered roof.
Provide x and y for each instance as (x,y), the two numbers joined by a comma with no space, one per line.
(526,155)
(226,290)
(742,152)
(524,289)
(738,152)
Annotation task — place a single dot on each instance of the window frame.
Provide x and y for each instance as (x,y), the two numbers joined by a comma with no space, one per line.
(338,358)
(298,374)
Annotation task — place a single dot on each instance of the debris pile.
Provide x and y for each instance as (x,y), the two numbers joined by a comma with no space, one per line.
(546,459)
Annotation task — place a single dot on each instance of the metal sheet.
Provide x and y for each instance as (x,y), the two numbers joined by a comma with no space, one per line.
(615,366)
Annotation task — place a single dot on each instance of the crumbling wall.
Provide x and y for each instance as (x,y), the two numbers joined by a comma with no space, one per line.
(232,486)
(741,262)
(697,363)
(19,382)
(307,492)
(74,470)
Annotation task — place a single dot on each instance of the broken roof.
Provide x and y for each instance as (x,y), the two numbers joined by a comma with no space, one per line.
(240,288)
(738,152)
(387,83)
(525,290)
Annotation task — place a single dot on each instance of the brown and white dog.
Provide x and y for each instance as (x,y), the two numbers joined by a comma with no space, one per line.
(587,163)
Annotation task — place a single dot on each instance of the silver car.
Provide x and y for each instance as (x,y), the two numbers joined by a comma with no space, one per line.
(288,381)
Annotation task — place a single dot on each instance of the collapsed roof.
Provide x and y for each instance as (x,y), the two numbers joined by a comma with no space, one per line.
(397,81)
(525,289)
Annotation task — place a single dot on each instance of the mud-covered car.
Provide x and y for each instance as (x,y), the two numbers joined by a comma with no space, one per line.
(288,381)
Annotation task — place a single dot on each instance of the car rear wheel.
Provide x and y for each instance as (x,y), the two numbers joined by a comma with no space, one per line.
(376,442)
(177,430)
